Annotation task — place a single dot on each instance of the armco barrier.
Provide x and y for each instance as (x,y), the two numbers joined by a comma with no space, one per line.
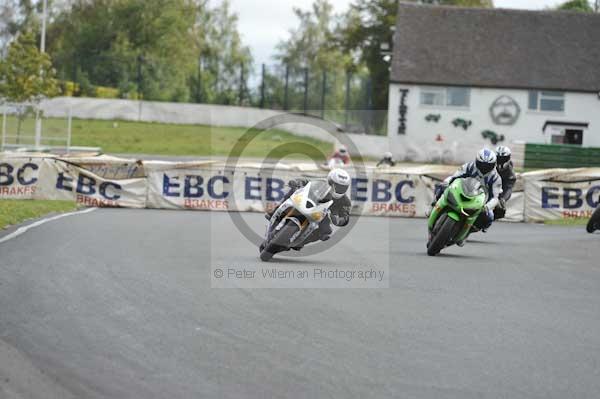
(396,192)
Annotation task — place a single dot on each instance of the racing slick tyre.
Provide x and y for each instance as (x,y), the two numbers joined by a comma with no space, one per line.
(594,223)
(280,241)
(442,236)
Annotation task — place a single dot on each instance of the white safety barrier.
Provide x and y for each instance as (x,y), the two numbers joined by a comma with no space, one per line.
(214,186)
(60,180)
(561,194)
(247,189)
(202,114)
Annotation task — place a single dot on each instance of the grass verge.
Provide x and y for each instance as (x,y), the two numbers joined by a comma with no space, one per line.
(568,222)
(126,137)
(17,211)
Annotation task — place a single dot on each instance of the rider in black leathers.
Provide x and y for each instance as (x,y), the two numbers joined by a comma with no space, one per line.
(505,169)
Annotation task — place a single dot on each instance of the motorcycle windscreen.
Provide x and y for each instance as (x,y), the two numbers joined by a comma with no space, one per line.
(318,191)
(471,187)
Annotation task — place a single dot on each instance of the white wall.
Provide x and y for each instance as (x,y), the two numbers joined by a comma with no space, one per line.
(459,145)
(200,114)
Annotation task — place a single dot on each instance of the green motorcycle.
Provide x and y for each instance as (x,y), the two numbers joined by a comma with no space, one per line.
(455,213)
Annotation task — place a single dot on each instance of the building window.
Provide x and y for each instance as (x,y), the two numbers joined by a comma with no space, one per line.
(552,101)
(433,96)
(446,97)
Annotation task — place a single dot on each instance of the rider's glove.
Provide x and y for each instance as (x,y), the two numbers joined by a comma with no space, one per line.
(490,213)
(502,203)
(439,190)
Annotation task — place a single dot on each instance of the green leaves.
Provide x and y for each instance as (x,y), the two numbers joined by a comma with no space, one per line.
(576,5)
(26,74)
(150,46)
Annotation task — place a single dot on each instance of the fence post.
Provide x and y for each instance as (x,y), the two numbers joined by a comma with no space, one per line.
(369,104)
(241,95)
(323,90)
(69,126)
(262,87)
(286,104)
(140,81)
(199,85)
(305,91)
(348,77)
(4,126)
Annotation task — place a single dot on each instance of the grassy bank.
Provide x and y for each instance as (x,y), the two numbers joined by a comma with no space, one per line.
(568,222)
(17,211)
(168,139)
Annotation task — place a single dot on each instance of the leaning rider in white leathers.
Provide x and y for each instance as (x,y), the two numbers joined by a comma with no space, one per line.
(339,212)
(483,169)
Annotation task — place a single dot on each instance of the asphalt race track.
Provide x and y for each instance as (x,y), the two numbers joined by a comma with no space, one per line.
(119,304)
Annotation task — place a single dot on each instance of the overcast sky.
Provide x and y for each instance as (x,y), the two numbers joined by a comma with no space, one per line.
(264,22)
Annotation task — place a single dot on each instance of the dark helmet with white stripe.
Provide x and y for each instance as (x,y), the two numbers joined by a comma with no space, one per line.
(503,155)
(485,161)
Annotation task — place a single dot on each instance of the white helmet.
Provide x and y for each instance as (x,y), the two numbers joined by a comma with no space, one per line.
(343,150)
(485,161)
(339,180)
(503,154)
(387,155)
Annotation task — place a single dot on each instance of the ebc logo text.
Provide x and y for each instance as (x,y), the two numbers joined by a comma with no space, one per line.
(18,181)
(10,175)
(570,198)
(382,191)
(86,185)
(195,186)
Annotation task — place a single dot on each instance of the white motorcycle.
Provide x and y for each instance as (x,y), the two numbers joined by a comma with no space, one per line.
(296,219)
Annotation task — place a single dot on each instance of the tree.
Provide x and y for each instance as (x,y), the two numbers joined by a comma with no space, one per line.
(311,43)
(462,3)
(15,16)
(136,45)
(26,75)
(577,5)
(222,56)
(469,3)
(152,47)
(311,48)
(369,27)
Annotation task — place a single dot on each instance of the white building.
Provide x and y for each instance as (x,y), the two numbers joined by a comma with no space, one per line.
(465,78)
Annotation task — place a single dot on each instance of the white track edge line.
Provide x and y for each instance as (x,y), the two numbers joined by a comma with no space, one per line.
(24,229)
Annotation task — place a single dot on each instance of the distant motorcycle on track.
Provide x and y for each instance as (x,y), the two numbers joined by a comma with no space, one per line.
(453,216)
(594,223)
(296,219)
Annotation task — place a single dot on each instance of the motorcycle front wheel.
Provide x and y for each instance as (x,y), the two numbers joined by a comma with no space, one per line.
(280,241)
(442,236)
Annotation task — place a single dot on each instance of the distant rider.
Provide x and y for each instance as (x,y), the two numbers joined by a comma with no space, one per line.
(339,212)
(505,169)
(483,169)
(387,160)
(341,155)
